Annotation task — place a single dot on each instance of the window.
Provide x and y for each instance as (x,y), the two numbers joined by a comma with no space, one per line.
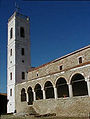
(22,51)
(60,67)
(23,95)
(23,75)
(11,76)
(37,74)
(11,33)
(22,34)
(10,92)
(10,52)
(22,61)
(80,60)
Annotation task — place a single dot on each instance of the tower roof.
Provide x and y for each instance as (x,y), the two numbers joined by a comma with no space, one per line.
(19,15)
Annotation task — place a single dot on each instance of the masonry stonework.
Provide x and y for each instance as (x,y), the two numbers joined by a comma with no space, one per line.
(64,106)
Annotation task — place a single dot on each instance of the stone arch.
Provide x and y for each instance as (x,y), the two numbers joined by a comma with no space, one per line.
(82,73)
(62,88)
(23,95)
(38,91)
(30,96)
(39,83)
(79,85)
(46,81)
(59,78)
(49,90)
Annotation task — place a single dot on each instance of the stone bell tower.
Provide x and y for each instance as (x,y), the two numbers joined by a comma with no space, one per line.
(18,55)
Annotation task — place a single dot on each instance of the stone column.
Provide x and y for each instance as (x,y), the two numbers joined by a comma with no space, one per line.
(70,90)
(27,97)
(44,96)
(88,86)
(55,92)
(34,95)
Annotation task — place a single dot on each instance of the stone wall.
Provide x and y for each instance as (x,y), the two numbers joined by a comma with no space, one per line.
(68,62)
(68,107)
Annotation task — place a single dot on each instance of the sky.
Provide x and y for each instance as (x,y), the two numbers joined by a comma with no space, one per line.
(56,29)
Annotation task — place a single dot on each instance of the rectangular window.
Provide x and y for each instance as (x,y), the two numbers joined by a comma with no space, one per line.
(11,33)
(22,51)
(60,67)
(23,75)
(22,61)
(10,52)
(10,92)
(80,60)
(11,76)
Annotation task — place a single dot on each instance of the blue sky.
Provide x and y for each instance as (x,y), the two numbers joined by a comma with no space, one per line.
(56,29)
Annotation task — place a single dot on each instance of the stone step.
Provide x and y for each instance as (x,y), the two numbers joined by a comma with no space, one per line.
(31,111)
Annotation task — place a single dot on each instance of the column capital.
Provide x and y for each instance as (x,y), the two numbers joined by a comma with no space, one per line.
(54,86)
(42,88)
(68,83)
(33,90)
(87,79)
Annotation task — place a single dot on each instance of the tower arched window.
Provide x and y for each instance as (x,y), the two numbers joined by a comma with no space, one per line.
(23,75)
(10,92)
(22,32)
(11,33)
(22,51)
(11,76)
(10,52)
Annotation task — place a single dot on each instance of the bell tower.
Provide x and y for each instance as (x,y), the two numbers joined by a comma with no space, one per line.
(18,55)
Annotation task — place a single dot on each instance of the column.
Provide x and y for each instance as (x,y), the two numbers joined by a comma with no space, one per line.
(44,96)
(34,95)
(27,97)
(88,86)
(55,92)
(70,90)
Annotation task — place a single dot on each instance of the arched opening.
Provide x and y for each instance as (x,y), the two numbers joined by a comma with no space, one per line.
(49,90)
(62,88)
(30,96)
(23,95)
(38,91)
(79,85)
